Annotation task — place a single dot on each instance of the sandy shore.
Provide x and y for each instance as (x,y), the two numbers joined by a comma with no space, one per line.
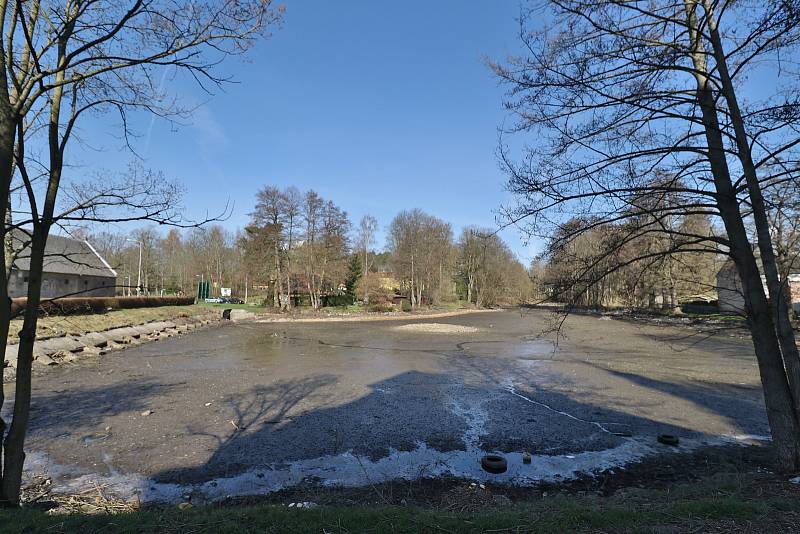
(368,316)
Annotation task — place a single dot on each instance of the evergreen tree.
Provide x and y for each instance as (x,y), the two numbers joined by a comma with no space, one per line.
(354,274)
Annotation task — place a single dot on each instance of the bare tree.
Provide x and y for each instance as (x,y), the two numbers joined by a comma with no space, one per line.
(489,271)
(313,207)
(420,245)
(367,228)
(62,61)
(325,247)
(471,251)
(268,227)
(616,92)
(292,199)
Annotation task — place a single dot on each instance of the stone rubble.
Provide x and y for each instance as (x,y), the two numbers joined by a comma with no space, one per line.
(68,349)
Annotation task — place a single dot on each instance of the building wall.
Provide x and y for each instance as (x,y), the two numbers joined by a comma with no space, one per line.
(794,289)
(729,292)
(59,285)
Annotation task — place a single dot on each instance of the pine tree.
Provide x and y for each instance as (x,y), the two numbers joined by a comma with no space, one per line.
(354,273)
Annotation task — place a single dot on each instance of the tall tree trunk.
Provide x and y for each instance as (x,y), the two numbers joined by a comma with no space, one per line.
(5,321)
(8,240)
(15,440)
(7,130)
(276,287)
(784,419)
(778,289)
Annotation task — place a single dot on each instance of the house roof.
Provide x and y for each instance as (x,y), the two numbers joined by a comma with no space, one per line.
(729,268)
(63,255)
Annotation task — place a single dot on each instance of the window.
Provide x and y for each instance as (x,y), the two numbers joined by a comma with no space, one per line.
(66,280)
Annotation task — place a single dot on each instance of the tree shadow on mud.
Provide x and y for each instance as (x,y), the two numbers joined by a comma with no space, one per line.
(263,409)
(465,409)
(73,410)
(740,404)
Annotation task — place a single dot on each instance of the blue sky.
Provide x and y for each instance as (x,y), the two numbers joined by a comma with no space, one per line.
(379,106)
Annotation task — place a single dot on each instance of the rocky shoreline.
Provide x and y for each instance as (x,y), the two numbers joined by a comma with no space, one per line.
(69,349)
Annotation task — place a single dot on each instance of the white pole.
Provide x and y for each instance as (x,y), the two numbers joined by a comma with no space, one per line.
(245,288)
(139,277)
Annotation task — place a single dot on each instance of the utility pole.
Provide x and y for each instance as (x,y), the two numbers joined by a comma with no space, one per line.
(139,275)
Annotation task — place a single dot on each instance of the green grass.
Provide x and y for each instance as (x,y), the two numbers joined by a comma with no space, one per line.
(215,305)
(549,515)
(715,316)
(352,308)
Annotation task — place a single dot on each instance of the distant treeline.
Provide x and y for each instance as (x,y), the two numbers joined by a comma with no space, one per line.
(301,249)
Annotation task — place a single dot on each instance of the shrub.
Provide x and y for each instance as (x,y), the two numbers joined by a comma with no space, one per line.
(405,305)
(337,300)
(87,305)
(381,308)
(381,296)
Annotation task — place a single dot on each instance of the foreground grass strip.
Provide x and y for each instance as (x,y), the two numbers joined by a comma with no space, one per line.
(557,515)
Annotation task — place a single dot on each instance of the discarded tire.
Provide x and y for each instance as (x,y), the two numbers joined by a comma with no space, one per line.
(668,439)
(494,463)
(226,314)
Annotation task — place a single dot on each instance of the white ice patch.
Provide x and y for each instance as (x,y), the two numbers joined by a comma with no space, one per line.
(347,470)
(602,426)
(475,417)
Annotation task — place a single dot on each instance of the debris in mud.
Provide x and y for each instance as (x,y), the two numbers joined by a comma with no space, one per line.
(37,493)
(146,413)
(494,463)
(305,504)
(526,458)
(44,359)
(668,439)
(471,498)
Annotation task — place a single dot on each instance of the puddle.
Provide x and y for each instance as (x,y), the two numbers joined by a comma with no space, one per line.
(525,349)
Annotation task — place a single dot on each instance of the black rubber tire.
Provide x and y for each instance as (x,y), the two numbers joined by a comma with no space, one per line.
(668,439)
(226,314)
(494,463)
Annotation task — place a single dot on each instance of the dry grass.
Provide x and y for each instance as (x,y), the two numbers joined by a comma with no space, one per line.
(59,325)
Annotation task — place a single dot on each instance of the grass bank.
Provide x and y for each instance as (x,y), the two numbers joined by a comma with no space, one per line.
(661,513)
(61,325)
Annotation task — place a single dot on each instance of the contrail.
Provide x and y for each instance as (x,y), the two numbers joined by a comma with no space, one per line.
(153,116)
